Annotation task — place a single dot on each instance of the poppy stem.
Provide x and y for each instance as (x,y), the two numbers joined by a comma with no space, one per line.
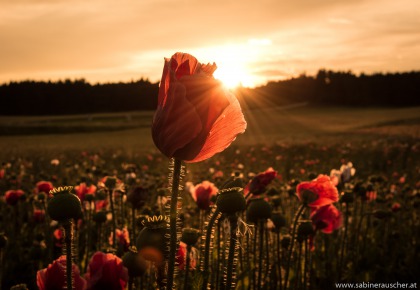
(176,177)
(233,219)
(286,277)
(343,246)
(187,267)
(261,252)
(68,231)
(133,223)
(114,218)
(205,266)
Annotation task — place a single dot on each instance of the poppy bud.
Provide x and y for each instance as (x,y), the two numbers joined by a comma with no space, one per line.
(110,182)
(347,197)
(134,262)
(285,241)
(138,197)
(308,196)
(382,214)
(64,205)
(190,236)
(305,229)
(3,241)
(258,209)
(99,217)
(276,200)
(272,192)
(89,197)
(231,200)
(278,219)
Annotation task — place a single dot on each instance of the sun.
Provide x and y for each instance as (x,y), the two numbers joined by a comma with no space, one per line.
(233,64)
(231,76)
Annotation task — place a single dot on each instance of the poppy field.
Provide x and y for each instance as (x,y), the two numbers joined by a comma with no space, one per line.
(368,232)
(332,202)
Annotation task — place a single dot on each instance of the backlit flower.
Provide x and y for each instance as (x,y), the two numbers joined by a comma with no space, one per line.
(259,182)
(54,276)
(12,196)
(318,192)
(196,117)
(44,186)
(326,218)
(202,194)
(82,189)
(122,238)
(106,271)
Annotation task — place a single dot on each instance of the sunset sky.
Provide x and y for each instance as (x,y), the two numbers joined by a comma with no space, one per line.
(250,41)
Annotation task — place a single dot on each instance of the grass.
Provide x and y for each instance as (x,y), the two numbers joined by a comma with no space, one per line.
(130,131)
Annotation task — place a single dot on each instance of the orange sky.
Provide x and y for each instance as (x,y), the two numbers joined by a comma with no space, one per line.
(250,41)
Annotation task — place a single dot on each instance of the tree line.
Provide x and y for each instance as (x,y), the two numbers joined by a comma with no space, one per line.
(326,88)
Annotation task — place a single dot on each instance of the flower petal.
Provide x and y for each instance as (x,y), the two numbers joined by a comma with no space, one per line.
(171,120)
(224,131)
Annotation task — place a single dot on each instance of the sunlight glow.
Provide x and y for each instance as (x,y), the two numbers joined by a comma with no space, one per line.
(234,62)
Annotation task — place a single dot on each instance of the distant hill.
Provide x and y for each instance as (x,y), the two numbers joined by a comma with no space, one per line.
(326,88)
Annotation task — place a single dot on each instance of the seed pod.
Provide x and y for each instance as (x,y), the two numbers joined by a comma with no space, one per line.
(99,217)
(151,242)
(231,200)
(64,205)
(190,236)
(278,219)
(258,209)
(347,197)
(305,229)
(134,262)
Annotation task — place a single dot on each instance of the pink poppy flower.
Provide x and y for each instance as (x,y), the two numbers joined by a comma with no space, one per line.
(106,271)
(82,189)
(44,186)
(54,276)
(326,218)
(202,194)
(196,117)
(258,183)
(12,196)
(318,192)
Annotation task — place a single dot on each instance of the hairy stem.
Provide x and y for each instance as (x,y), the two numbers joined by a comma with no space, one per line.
(233,219)
(207,248)
(68,228)
(300,211)
(172,222)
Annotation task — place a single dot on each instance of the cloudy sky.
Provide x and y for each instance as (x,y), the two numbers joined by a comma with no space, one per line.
(250,41)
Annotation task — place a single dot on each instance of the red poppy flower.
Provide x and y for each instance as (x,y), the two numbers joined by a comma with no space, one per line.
(326,218)
(106,271)
(196,117)
(181,257)
(318,192)
(54,276)
(202,194)
(2,173)
(44,186)
(122,238)
(82,189)
(58,238)
(39,215)
(258,184)
(12,196)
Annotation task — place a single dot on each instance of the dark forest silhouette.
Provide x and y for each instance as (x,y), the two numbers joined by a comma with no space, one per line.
(326,88)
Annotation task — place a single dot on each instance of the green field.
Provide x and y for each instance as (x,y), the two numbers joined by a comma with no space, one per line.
(131,131)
